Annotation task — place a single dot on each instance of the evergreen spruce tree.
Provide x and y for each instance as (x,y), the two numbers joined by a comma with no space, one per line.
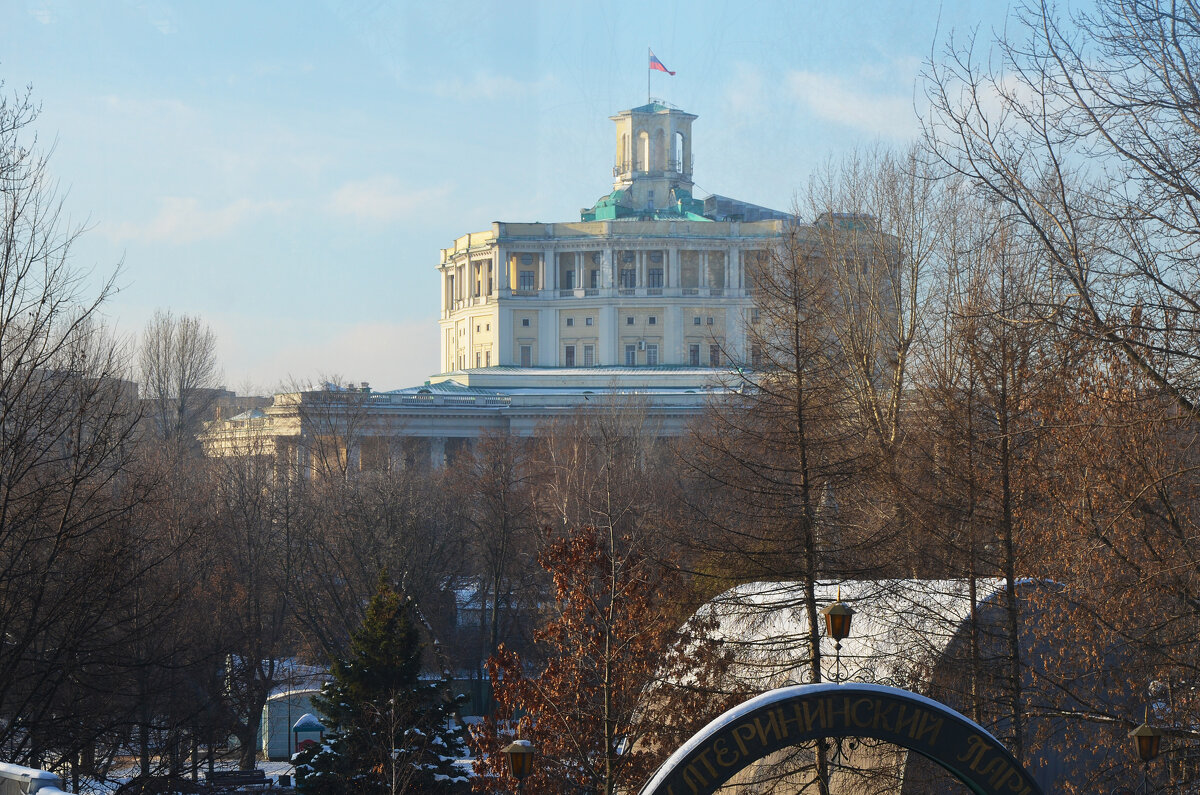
(389,732)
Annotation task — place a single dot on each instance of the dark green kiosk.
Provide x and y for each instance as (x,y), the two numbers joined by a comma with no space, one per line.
(791,715)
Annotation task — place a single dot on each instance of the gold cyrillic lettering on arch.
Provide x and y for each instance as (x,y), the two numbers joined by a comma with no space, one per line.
(800,714)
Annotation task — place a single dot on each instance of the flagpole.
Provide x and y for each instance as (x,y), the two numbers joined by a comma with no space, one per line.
(649,53)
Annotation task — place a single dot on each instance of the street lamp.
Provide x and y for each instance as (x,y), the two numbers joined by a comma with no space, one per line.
(520,760)
(1147,741)
(837,626)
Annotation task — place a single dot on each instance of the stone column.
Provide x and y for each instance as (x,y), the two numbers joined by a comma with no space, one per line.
(503,277)
(550,265)
(735,335)
(437,452)
(673,338)
(506,350)
(547,338)
(674,278)
(609,331)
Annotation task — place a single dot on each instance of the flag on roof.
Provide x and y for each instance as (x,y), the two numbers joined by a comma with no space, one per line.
(657,64)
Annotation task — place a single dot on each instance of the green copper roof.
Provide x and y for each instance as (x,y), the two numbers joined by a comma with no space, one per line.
(618,205)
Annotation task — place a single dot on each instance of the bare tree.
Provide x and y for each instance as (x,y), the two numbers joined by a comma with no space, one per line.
(1087,131)
(495,483)
(66,419)
(178,369)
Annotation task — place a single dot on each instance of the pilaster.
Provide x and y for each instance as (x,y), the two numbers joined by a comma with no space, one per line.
(673,341)
(609,331)
(547,338)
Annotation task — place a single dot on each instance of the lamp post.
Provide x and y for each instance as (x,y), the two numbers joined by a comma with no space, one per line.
(520,760)
(837,626)
(1147,741)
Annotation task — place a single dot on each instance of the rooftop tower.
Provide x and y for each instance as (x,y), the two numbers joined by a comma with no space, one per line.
(652,173)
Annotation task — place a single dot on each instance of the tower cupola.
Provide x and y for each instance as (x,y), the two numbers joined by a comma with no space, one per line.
(654,156)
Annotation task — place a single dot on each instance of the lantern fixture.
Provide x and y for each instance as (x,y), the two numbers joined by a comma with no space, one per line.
(1147,740)
(837,621)
(520,760)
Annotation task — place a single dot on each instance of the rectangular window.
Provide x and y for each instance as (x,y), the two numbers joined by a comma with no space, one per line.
(654,279)
(478,360)
(714,355)
(653,320)
(570,356)
(754,315)
(487,358)
(589,355)
(696,320)
(651,355)
(756,356)
(631,356)
(570,322)
(525,322)
(628,278)
(629,320)
(587,322)
(527,356)
(526,281)
(694,355)
(710,321)
(594,279)
(568,280)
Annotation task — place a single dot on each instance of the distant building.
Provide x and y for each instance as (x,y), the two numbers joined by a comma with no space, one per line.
(649,276)
(644,299)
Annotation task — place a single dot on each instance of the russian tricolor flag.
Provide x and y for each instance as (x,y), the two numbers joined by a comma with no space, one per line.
(657,64)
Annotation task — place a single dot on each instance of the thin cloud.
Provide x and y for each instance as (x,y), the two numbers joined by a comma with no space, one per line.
(184,220)
(487,86)
(833,99)
(383,199)
(44,12)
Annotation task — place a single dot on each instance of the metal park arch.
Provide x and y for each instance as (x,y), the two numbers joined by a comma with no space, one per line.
(791,715)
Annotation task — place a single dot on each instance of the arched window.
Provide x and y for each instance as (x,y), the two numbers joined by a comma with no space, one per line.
(643,151)
(660,151)
(678,153)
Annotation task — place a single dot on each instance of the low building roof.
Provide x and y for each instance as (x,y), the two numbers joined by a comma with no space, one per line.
(900,630)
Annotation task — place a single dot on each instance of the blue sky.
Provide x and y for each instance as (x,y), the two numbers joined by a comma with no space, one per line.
(289,170)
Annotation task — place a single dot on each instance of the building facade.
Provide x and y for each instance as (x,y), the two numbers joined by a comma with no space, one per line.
(643,301)
(645,278)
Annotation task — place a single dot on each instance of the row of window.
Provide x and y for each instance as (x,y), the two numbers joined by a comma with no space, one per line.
(626,279)
(652,320)
(631,351)
(626,256)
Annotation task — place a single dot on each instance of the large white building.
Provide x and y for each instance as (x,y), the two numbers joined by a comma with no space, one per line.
(649,276)
(645,298)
